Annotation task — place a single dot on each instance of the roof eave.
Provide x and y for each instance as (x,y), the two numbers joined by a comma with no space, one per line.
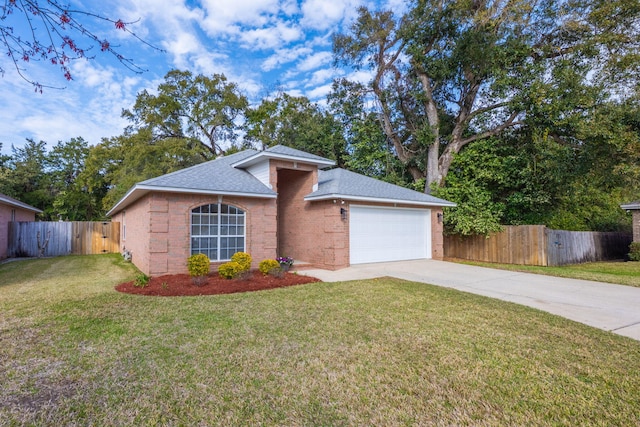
(139,191)
(631,206)
(19,204)
(312,198)
(256,158)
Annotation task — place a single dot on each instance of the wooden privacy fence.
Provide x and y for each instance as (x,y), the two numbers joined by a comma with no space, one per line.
(33,239)
(538,245)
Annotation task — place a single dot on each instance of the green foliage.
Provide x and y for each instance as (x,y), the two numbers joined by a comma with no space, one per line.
(198,265)
(230,270)
(116,164)
(141,280)
(200,111)
(634,251)
(447,75)
(475,213)
(243,259)
(298,123)
(268,265)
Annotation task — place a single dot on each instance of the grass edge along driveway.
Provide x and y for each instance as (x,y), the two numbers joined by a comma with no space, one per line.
(370,352)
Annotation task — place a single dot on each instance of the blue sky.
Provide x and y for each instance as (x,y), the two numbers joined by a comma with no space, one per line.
(262,45)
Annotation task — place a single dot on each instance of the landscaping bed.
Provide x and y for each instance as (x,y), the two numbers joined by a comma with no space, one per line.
(183,284)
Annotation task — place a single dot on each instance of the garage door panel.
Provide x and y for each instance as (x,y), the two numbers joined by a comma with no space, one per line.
(388,234)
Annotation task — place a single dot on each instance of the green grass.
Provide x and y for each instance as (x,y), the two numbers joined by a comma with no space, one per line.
(622,273)
(377,352)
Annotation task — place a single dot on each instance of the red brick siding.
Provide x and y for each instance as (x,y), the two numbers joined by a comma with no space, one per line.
(5,218)
(636,225)
(163,246)
(135,219)
(437,236)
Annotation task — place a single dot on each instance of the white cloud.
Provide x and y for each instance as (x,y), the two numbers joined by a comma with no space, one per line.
(321,76)
(283,56)
(223,15)
(316,60)
(325,14)
(319,92)
(270,37)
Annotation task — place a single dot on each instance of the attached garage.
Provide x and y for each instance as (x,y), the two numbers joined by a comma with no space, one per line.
(378,234)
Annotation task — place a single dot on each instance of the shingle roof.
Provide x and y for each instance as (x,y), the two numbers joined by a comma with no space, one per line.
(631,206)
(17,203)
(225,175)
(214,176)
(341,183)
(282,152)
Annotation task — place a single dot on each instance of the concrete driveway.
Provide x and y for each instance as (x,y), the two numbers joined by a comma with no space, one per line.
(614,308)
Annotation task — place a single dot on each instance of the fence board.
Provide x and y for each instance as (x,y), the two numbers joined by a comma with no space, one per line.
(32,239)
(537,245)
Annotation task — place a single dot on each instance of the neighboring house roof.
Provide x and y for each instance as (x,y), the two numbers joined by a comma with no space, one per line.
(344,184)
(17,203)
(631,206)
(226,176)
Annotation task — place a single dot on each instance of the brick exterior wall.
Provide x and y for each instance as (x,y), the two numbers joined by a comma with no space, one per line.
(636,225)
(158,225)
(158,229)
(437,234)
(5,218)
(311,232)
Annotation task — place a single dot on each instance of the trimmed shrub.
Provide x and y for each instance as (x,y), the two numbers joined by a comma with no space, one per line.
(230,270)
(634,251)
(198,265)
(141,281)
(242,258)
(268,265)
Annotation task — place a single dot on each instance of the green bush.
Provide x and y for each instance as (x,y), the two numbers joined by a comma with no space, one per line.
(141,281)
(242,258)
(230,270)
(634,251)
(268,265)
(198,265)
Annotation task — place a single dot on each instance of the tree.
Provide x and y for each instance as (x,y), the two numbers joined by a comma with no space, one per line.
(365,142)
(25,176)
(116,164)
(448,74)
(203,112)
(295,122)
(72,200)
(54,33)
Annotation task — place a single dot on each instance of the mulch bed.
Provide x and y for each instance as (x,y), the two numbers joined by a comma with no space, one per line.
(182,284)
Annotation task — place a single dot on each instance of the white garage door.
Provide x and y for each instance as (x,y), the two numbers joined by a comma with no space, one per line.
(388,234)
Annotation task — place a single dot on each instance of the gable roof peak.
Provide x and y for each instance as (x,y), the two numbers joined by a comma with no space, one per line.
(282,152)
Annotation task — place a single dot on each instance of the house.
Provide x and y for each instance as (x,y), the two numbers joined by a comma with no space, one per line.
(12,210)
(276,202)
(634,207)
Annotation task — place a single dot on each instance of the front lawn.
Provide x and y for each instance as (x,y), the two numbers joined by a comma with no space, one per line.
(373,352)
(622,273)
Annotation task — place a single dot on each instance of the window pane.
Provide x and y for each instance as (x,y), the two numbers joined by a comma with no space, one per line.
(195,219)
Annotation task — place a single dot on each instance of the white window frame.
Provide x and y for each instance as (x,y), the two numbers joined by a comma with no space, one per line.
(217,226)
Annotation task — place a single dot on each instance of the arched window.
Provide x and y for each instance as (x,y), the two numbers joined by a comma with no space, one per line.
(218,231)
